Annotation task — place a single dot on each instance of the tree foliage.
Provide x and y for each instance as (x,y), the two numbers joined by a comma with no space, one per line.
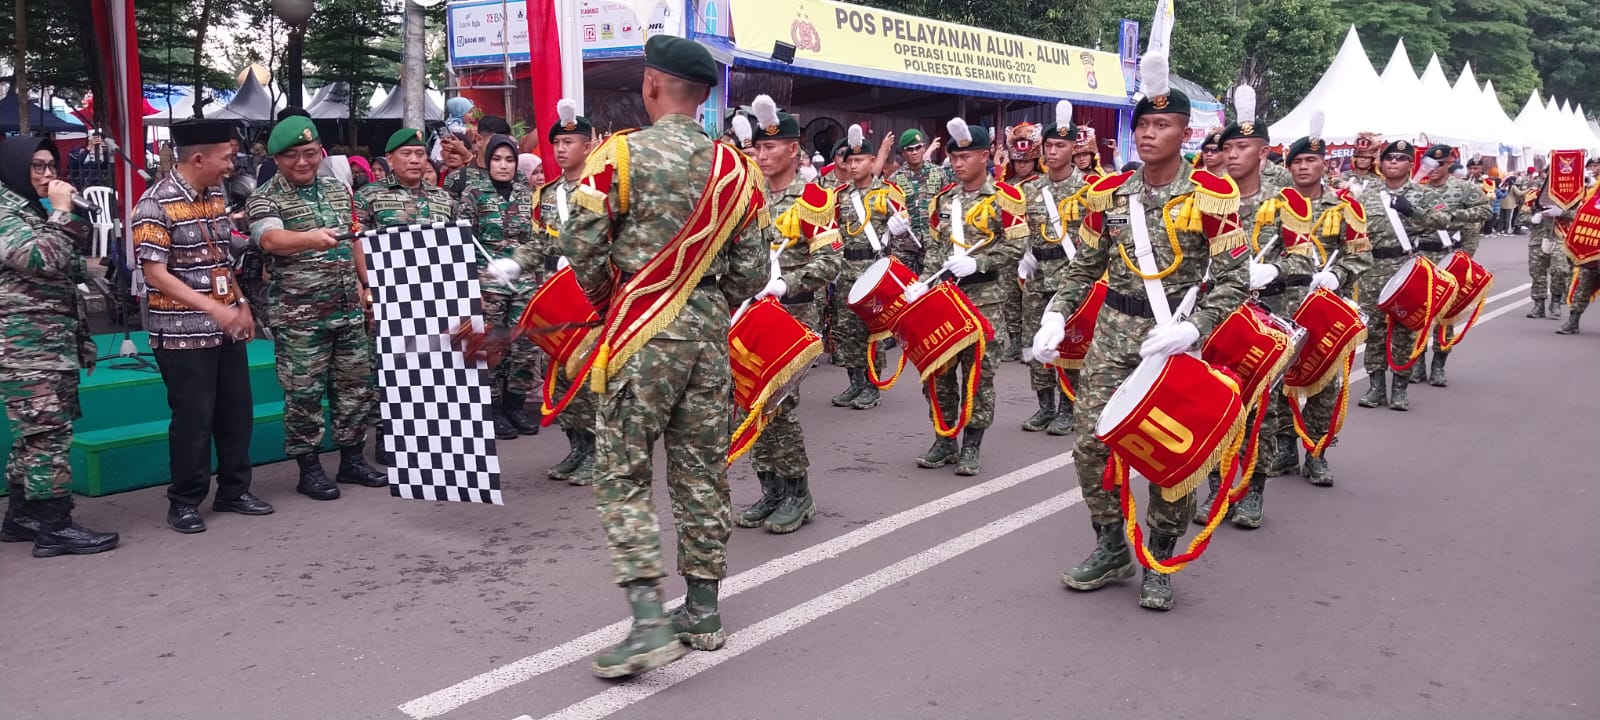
(1288,45)
(1493,35)
(1565,42)
(1382,23)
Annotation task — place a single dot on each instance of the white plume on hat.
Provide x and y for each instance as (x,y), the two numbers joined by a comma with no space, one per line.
(1244,104)
(741,129)
(567,110)
(1063,114)
(959,132)
(766,110)
(1318,119)
(1153,80)
(857,138)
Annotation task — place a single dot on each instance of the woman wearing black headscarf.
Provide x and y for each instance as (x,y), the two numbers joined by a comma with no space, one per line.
(502,219)
(44,339)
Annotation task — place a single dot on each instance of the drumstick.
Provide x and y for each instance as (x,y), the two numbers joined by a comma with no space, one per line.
(1331,258)
(740,312)
(1264,249)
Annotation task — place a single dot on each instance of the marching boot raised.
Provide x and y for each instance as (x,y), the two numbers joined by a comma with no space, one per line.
(858,382)
(1317,471)
(516,412)
(1570,325)
(1436,376)
(772,490)
(1109,561)
(1248,514)
(314,483)
(1537,311)
(697,621)
(795,508)
(942,453)
(1062,425)
(59,535)
(353,468)
(1397,393)
(1156,594)
(971,448)
(1375,396)
(1046,413)
(651,641)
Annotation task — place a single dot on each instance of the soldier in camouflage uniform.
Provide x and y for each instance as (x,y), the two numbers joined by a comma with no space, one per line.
(1055,211)
(806,242)
(1125,331)
(1548,263)
(676,383)
(1023,146)
(1419,215)
(501,216)
(402,199)
(1467,207)
(1588,285)
(1363,172)
(315,305)
(572,145)
(980,228)
(44,339)
(865,242)
(1212,159)
(920,180)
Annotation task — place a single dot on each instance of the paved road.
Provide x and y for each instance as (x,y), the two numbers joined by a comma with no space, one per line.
(1450,573)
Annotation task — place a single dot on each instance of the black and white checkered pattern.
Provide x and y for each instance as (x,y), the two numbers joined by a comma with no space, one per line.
(425,281)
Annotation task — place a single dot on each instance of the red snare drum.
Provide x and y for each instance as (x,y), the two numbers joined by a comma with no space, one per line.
(1080,329)
(878,296)
(1333,330)
(1254,345)
(1170,421)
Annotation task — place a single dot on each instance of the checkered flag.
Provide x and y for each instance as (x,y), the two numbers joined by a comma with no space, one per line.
(424,280)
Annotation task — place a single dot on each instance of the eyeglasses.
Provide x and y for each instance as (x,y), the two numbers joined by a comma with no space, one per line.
(303,156)
(44,168)
(1396,158)
(913,148)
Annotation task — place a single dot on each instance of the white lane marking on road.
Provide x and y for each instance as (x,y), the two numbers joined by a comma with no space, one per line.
(618,697)
(528,668)
(520,671)
(1497,297)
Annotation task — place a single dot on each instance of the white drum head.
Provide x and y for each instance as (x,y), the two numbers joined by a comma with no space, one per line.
(868,281)
(1399,279)
(1130,393)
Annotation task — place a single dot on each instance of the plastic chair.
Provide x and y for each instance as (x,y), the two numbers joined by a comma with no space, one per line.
(105,222)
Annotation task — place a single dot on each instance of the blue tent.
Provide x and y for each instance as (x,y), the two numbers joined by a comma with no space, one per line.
(39,119)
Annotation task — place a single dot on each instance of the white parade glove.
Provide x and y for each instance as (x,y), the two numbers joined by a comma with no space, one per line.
(916,290)
(1547,246)
(1326,280)
(1027,266)
(1262,274)
(561,263)
(1536,219)
(504,270)
(776,288)
(1554,212)
(898,225)
(1169,339)
(1052,330)
(961,265)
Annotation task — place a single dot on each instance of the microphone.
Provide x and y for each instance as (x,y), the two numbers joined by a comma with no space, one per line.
(83,206)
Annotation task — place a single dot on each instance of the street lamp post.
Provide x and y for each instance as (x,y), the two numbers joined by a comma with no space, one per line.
(294,13)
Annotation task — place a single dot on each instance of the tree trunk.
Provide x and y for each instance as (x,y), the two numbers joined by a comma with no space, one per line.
(21,68)
(412,67)
(93,55)
(201,24)
(294,75)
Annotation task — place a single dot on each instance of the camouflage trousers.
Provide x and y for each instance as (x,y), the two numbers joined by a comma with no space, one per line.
(1588,285)
(1470,242)
(518,371)
(1015,321)
(317,359)
(679,392)
(40,405)
(1551,271)
(579,413)
(951,382)
(1040,375)
(1113,355)
(849,333)
(781,449)
(1370,286)
(1317,413)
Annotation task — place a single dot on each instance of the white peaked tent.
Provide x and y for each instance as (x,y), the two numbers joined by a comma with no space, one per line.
(1470,99)
(1447,121)
(379,94)
(1405,91)
(1352,98)
(1581,132)
(1530,122)
(1498,121)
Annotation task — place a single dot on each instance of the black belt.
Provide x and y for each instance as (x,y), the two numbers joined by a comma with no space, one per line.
(1431,246)
(1051,252)
(861,254)
(978,279)
(1279,286)
(1136,306)
(707,280)
(798,298)
(1389,253)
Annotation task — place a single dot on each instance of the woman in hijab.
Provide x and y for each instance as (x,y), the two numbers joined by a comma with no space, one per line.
(502,219)
(531,166)
(336,167)
(380,170)
(44,339)
(360,172)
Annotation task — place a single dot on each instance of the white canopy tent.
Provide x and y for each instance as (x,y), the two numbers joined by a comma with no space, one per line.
(1447,120)
(1352,98)
(1405,92)
(1491,121)
(1530,122)
(379,94)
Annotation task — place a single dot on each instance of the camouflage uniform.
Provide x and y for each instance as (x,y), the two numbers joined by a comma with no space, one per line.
(997,245)
(577,419)
(1467,208)
(1358,184)
(1550,269)
(679,384)
(44,339)
(920,185)
(1387,257)
(880,200)
(466,181)
(314,305)
(1049,241)
(503,225)
(1015,327)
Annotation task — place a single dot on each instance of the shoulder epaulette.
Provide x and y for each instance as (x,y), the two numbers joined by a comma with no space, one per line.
(1010,198)
(608,164)
(817,204)
(1355,214)
(895,193)
(1098,198)
(1215,194)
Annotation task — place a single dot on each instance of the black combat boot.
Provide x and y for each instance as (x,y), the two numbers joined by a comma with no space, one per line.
(868,397)
(1062,425)
(1285,456)
(19,524)
(1375,396)
(1013,351)
(353,469)
(1041,419)
(772,491)
(380,451)
(795,508)
(1419,369)
(314,483)
(1397,393)
(563,470)
(1157,591)
(1570,326)
(1248,514)
(59,535)
(1109,561)
(1436,376)
(651,642)
(1317,471)
(971,448)
(584,474)
(503,429)
(1201,510)
(858,382)
(516,412)
(1537,311)
(942,453)
(697,621)
(1555,309)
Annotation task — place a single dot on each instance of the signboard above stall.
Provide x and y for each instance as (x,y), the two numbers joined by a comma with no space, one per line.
(605,29)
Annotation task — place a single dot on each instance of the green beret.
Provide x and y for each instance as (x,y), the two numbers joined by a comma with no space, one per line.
(1245,131)
(912,137)
(1440,153)
(292,131)
(788,128)
(682,58)
(404,137)
(981,140)
(1057,132)
(1306,146)
(1174,103)
(1400,147)
(578,125)
(1213,140)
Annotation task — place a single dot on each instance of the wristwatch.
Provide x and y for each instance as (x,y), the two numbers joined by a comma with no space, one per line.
(60,217)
